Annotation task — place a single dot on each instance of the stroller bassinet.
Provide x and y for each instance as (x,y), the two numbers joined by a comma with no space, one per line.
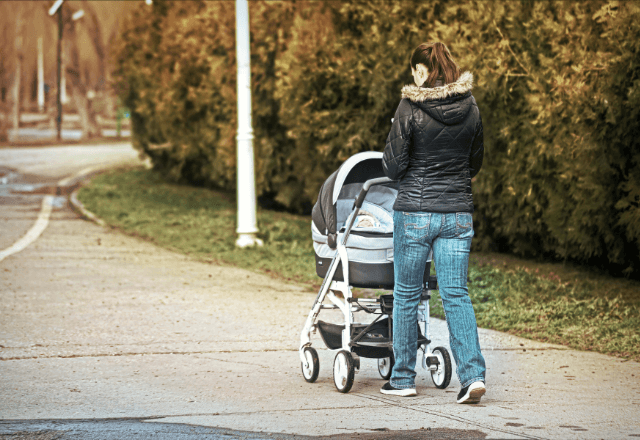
(352,231)
(370,243)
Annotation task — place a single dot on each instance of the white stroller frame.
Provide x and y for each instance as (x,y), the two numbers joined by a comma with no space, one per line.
(437,361)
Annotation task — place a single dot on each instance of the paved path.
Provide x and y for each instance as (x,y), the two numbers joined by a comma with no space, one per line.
(98,328)
(54,163)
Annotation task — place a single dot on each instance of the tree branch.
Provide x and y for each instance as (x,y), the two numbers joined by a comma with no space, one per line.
(511,50)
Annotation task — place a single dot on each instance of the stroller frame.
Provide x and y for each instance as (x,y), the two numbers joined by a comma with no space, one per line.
(355,336)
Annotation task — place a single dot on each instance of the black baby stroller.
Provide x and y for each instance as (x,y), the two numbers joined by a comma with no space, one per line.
(352,230)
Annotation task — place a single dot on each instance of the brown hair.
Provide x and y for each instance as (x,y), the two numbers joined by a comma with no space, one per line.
(437,58)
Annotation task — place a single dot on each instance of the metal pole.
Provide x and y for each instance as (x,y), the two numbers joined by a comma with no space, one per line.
(59,94)
(40,75)
(17,81)
(247,224)
(64,99)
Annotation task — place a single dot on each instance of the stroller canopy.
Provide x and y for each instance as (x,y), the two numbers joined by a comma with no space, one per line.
(344,185)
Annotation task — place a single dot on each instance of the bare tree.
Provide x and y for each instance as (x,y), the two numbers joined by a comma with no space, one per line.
(95,31)
(4,65)
(15,62)
(87,52)
(15,90)
(79,89)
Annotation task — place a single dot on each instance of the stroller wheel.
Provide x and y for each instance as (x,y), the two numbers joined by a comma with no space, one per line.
(343,371)
(385,365)
(442,376)
(311,369)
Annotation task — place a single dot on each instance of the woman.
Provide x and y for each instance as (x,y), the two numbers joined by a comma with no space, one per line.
(435,148)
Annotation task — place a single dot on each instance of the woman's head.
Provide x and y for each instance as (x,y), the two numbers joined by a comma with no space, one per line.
(431,61)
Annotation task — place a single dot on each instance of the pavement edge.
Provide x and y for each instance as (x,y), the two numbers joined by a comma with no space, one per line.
(84,212)
(73,185)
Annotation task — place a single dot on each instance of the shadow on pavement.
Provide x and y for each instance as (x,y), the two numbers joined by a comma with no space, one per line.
(112,429)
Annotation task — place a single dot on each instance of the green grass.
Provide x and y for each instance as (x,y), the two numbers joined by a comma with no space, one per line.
(548,302)
(200,222)
(592,312)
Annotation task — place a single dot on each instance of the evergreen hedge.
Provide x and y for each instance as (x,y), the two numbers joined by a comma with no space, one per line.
(558,85)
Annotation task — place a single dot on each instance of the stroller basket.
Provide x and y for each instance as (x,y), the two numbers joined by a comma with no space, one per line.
(374,343)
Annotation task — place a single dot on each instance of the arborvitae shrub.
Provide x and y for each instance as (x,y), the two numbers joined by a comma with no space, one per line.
(557,83)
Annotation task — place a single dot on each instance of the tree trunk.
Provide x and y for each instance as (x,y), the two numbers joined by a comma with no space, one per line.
(79,90)
(4,120)
(95,31)
(15,96)
(88,121)
(15,92)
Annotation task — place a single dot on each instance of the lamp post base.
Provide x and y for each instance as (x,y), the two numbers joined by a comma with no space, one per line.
(246,240)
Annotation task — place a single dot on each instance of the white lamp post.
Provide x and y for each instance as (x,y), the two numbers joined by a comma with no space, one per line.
(56,8)
(61,83)
(78,15)
(247,224)
(40,75)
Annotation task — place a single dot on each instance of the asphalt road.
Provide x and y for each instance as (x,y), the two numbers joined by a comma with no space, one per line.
(107,336)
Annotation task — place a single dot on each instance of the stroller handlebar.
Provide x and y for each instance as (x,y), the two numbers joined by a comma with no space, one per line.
(357,204)
(365,189)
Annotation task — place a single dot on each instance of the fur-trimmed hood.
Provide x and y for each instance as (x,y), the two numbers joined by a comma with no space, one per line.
(463,85)
(435,147)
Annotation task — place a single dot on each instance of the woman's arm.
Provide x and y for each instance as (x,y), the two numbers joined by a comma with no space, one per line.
(477,149)
(396,151)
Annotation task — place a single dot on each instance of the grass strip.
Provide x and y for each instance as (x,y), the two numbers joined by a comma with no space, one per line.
(548,302)
(199,222)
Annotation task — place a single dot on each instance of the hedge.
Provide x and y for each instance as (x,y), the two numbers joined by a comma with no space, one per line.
(558,85)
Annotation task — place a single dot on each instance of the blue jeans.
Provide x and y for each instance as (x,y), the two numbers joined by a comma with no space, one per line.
(449,235)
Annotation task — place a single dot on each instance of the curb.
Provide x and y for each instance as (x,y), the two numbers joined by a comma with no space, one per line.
(72,185)
(84,212)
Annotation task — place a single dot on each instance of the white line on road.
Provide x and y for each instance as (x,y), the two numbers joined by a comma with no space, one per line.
(34,232)
(68,180)
(43,218)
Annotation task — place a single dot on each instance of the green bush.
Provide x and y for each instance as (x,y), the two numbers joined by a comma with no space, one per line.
(557,84)
(176,71)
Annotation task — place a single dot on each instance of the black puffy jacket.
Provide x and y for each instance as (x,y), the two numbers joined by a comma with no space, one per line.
(435,147)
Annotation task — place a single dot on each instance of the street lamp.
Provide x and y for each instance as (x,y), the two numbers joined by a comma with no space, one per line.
(247,224)
(78,14)
(57,8)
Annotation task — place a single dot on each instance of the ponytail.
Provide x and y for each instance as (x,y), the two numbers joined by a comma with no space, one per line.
(438,60)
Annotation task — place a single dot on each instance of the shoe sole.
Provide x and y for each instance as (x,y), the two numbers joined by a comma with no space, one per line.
(473,396)
(403,393)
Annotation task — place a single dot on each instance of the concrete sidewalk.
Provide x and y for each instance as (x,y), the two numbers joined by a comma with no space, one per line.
(96,325)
